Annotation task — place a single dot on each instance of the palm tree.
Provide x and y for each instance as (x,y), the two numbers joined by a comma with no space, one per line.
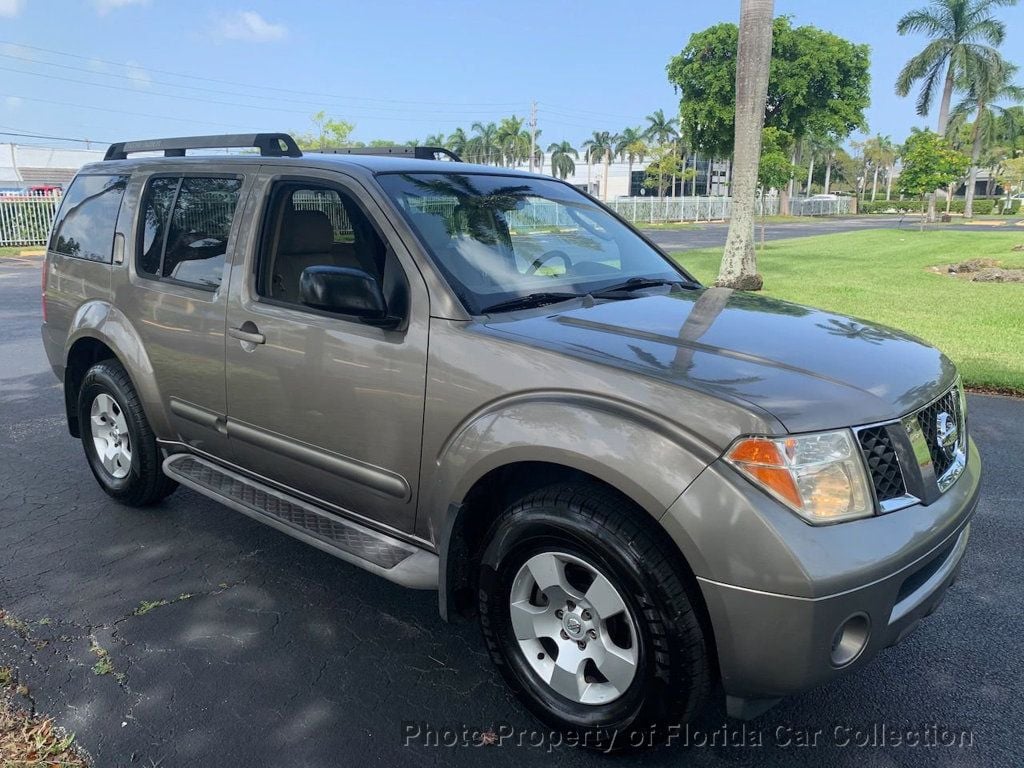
(631,147)
(484,145)
(985,85)
(880,152)
(563,159)
(963,36)
(601,146)
(661,130)
(435,140)
(739,261)
(457,142)
(510,140)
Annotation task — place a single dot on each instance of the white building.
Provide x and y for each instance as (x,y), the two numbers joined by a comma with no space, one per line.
(23,166)
(619,183)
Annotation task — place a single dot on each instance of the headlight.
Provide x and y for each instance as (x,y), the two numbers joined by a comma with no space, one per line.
(820,477)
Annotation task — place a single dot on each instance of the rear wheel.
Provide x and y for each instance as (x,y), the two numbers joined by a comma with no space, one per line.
(586,614)
(119,444)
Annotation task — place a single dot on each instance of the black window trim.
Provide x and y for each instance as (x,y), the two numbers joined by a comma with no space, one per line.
(140,228)
(60,216)
(266,222)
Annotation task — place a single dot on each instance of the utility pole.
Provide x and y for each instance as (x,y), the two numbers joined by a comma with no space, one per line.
(533,133)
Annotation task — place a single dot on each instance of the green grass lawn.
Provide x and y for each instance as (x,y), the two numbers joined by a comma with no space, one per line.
(882,275)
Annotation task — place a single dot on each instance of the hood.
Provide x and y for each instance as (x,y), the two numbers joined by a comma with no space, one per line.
(808,368)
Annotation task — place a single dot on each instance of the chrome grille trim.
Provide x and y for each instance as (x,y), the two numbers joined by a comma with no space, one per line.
(938,466)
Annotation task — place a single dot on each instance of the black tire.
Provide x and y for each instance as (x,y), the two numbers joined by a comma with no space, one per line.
(673,674)
(145,483)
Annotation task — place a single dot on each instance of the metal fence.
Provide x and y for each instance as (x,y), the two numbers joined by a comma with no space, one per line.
(25,219)
(651,210)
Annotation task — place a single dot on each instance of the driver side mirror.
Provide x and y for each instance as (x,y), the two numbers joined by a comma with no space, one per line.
(345,291)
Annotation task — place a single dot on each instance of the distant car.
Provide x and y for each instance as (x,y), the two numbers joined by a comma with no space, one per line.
(823,197)
(44,189)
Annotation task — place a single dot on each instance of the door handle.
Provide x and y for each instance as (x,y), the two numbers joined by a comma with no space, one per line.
(248,333)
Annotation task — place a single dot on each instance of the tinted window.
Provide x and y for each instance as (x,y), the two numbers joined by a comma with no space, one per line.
(190,244)
(88,215)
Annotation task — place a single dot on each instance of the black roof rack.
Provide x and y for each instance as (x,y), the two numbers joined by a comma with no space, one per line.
(419,153)
(269,145)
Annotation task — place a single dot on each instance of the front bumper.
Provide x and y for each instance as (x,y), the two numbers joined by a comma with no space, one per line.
(777,594)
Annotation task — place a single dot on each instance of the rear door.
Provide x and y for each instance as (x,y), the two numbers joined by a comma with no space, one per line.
(323,404)
(173,287)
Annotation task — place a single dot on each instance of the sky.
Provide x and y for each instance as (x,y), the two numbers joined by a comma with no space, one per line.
(109,70)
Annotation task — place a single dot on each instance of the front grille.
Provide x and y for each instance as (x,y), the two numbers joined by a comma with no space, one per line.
(883,463)
(928,418)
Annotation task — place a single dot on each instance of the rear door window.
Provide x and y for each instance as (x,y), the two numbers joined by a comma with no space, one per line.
(185,228)
(85,224)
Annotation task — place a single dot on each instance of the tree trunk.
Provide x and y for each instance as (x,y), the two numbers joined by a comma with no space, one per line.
(707,181)
(810,174)
(629,182)
(828,173)
(607,169)
(874,184)
(739,261)
(972,177)
(888,183)
(693,181)
(792,179)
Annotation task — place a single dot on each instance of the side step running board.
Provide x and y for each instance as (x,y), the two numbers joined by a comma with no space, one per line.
(384,555)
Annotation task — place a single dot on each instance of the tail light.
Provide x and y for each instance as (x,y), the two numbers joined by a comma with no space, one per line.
(46,271)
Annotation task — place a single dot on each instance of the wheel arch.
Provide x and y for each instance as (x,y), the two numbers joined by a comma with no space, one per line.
(98,332)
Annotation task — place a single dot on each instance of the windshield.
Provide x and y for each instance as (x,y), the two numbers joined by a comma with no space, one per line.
(499,238)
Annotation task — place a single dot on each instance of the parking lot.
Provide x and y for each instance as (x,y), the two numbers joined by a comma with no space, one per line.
(191,635)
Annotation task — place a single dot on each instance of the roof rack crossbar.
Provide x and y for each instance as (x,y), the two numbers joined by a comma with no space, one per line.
(419,153)
(269,145)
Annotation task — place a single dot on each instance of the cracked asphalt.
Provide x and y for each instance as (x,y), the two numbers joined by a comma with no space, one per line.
(271,653)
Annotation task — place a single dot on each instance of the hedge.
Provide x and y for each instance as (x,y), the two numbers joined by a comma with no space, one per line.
(981,207)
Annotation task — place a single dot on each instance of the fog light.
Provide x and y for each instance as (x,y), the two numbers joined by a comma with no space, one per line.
(850,639)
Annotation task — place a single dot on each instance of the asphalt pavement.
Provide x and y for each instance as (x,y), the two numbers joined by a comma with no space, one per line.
(190,635)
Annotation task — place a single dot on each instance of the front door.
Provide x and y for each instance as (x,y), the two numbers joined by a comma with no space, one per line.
(323,404)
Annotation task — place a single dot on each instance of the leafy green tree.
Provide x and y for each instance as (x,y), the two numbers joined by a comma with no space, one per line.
(929,163)
(818,83)
(774,172)
(563,159)
(1011,177)
(328,132)
(665,163)
(434,140)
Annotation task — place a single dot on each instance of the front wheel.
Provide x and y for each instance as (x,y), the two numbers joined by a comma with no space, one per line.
(586,613)
(119,444)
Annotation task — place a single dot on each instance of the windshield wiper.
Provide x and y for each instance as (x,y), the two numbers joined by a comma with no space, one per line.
(638,284)
(528,301)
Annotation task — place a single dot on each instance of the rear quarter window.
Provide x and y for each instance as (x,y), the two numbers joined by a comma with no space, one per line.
(85,224)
